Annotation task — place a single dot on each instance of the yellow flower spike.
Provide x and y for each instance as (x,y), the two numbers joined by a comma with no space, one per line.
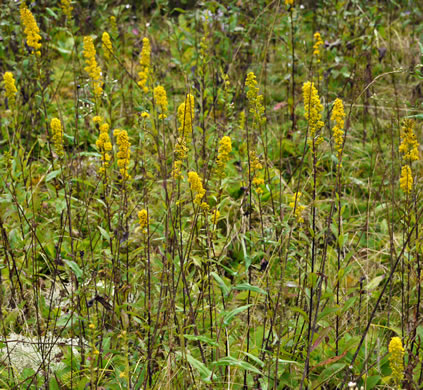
(103,144)
(186,116)
(215,216)
(113,24)
(31,30)
(406,179)
(255,167)
(92,68)
(396,359)
(124,153)
(145,64)
(10,87)
(338,115)
(409,146)
(57,136)
(160,99)
(295,204)
(313,108)
(225,148)
(66,7)
(197,189)
(143,219)
(316,47)
(97,119)
(255,100)
(107,45)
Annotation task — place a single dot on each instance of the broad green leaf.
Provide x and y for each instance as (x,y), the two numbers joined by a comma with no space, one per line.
(52,175)
(229,316)
(75,268)
(247,286)
(328,373)
(225,289)
(105,234)
(375,282)
(205,373)
(231,361)
(203,339)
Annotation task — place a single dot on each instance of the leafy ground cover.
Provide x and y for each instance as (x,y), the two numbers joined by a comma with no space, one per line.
(217,195)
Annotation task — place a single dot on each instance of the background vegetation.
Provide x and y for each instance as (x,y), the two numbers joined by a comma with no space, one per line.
(228,240)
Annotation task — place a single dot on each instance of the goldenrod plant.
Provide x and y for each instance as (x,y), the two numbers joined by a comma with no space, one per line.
(211,195)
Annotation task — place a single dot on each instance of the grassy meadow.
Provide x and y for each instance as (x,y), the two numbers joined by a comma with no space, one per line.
(211,194)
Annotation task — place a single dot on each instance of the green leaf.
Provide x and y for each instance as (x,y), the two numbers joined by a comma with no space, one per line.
(75,268)
(374,282)
(229,316)
(248,286)
(225,289)
(52,175)
(204,339)
(104,233)
(328,373)
(255,358)
(205,373)
(231,361)
(301,311)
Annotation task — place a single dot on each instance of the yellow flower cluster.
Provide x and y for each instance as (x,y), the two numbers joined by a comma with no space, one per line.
(197,188)
(409,146)
(215,216)
(143,219)
(65,5)
(316,47)
(113,24)
(396,359)
(289,2)
(254,99)
(160,99)
(338,115)
(57,136)
(124,152)
(406,179)
(10,87)
(186,116)
(103,144)
(255,167)
(313,109)
(92,68)
(181,151)
(107,45)
(31,30)
(297,207)
(225,148)
(145,64)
